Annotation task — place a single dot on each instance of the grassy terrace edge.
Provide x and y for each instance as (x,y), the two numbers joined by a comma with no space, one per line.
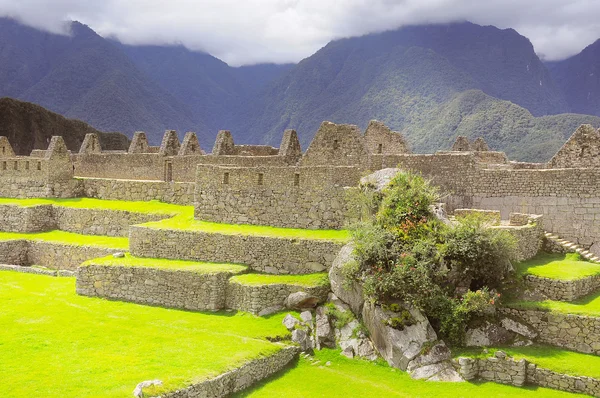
(166,264)
(188,223)
(304,280)
(566,267)
(556,359)
(153,206)
(69,238)
(182,218)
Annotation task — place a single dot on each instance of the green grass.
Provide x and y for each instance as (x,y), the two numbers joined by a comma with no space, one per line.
(153,206)
(558,266)
(588,305)
(556,359)
(69,238)
(54,343)
(188,223)
(306,280)
(355,378)
(192,266)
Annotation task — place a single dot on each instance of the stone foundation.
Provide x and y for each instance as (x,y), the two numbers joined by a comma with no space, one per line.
(506,370)
(187,290)
(264,254)
(258,298)
(169,288)
(560,290)
(77,220)
(49,254)
(575,332)
(240,378)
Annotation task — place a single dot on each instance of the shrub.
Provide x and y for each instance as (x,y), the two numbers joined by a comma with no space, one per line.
(405,254)
(478,254)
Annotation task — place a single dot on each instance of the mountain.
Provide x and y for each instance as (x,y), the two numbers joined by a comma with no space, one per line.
(431,82)
(400,75)
(85,76)
(504,125)
(579,79)
(29,126)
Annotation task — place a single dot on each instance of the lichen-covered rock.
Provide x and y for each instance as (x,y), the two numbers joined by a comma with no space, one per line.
(301,300)
(349,292)
(487,334)
(323,330)
(518,328)
(290,322)
(397,347)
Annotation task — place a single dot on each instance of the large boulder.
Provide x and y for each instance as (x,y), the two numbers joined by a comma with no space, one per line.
(397,346)
(487,334)
(380,179)
(300,301)
(412,347)
(350,292)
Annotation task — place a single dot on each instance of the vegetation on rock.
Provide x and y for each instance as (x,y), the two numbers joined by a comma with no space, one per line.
(404,253)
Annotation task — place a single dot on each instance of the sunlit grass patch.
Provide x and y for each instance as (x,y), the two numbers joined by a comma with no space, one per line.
(558,266)
(69,238)
(54,343)
(188,223)
(306,280)
(183,265)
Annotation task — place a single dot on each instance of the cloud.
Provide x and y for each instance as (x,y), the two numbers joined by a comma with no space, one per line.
(253,31)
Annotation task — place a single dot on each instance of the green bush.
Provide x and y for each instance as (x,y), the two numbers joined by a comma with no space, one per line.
(477,254)
(405,254)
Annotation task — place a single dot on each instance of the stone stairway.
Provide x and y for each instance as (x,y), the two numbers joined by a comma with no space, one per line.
(571,247)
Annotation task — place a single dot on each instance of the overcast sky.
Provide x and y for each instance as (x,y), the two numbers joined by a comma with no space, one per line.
(253,31)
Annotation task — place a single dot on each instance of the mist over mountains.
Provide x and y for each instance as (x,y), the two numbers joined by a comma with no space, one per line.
(430,82)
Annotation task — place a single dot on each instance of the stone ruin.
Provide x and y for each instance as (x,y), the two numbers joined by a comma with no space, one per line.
(303,190)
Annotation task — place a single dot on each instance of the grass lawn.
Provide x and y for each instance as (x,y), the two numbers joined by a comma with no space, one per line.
(559,360)
(70,238)
(588,305)
(153,206)
(188,223)
(54,343)
(307,280)
(195,266)
(558,266)
(353,378)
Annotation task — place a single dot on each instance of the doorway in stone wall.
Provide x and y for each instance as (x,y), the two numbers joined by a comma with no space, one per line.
(168,171)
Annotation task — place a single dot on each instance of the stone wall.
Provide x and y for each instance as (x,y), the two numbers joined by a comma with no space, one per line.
(529,237)
(27,219)
(154,286)
(100,222)
(269,298)
(569,199)
(78,220)
(169,192)
(506,370)
(547,378)
(240,378)
(555,289)
(297,197)
(272,255)
(14,252)
(62,256)
(499,369)
(575,332)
